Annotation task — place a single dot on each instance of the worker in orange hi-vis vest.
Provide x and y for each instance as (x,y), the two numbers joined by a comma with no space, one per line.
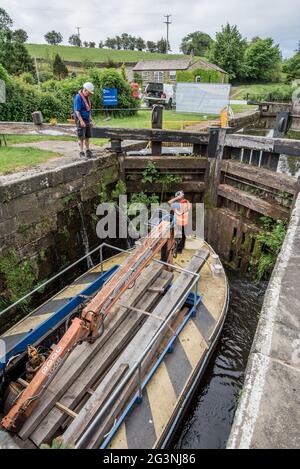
(181,207)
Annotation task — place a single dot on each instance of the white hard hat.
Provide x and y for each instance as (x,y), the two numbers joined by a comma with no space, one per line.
(89,87)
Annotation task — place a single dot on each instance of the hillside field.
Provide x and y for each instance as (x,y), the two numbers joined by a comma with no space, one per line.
(78,54)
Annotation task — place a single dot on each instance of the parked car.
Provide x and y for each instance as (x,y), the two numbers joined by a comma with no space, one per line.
(159,93)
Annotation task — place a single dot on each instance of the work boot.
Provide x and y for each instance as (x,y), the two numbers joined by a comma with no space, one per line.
(82,154)
(89,154)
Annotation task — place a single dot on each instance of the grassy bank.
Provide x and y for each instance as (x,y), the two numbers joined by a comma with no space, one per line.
(263,90)
(12,159)
(79,54)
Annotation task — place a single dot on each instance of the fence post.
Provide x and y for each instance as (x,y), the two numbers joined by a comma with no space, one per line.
(156,123)
(116,147)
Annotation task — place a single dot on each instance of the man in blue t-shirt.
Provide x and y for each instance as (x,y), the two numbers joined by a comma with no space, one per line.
(83,118)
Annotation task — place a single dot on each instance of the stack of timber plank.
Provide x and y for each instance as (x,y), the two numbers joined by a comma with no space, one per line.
(85,421)
(88,363)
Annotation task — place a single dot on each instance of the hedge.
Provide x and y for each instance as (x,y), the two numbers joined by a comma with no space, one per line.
(276,93)
(207,76)
(55,98)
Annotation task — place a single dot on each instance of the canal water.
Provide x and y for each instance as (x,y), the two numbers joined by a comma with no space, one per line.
(209,417)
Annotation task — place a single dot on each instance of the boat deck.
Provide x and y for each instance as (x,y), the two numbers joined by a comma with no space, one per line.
(171,381)
(174,381)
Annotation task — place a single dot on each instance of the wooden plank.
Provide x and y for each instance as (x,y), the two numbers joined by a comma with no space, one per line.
(66,410)
(103,359)
(274,145)
(186,186)
(266,178)
(157,135)
(254,203)
(249,141)
(177,292)
(161,162)
(80,356)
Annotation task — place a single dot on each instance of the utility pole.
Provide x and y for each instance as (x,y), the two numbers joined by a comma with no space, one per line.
(78,31)
(167,22)
(37,71)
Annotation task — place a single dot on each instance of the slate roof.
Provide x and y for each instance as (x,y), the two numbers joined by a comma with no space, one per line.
(174,64)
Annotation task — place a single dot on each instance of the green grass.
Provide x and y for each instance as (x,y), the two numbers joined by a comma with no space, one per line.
(143,119)
(15,139)
(19,158)
(78,54)
(242,108)
(240,92)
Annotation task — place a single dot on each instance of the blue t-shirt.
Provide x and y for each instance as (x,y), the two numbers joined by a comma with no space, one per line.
(80,106)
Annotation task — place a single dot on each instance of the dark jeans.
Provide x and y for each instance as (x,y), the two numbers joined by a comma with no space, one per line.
(181,240)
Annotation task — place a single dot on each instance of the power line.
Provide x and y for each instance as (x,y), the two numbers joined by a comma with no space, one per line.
(167,22)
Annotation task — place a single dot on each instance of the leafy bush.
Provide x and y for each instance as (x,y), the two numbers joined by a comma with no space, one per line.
(271,238)
(270,93)
(207,76)
(55,98)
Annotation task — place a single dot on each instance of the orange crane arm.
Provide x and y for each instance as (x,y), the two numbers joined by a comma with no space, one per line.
(89,323)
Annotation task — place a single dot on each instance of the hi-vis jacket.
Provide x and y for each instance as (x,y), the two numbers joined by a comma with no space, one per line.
(182,213)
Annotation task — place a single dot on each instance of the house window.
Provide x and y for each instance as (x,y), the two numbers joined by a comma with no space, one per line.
(159,77)
(198,79)
(172,74)
(145,76)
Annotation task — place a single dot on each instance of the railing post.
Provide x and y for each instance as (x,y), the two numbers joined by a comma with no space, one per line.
(215,150)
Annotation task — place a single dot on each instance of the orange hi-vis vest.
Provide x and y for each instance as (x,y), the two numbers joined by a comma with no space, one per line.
(86,101)
(182,214)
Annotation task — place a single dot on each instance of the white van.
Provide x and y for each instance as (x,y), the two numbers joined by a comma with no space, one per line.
(159,93)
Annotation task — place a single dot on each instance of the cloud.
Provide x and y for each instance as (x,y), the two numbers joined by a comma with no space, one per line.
(145,18)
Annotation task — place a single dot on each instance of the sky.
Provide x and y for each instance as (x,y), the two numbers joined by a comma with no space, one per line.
(98,19)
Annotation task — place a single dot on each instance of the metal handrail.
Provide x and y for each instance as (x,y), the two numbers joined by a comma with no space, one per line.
(42,285)
(137,366)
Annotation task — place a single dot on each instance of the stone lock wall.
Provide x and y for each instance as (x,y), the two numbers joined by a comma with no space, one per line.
(47,220)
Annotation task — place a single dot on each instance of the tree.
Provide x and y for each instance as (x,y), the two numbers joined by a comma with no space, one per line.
(75,40)
(151,46)
(53,37)
(228,51)
(197,43)
(118,42)
(92,44)
(162,46)
(14,55)
(20,35)
(60,70)
(292,67)
(125,41)
(110,43)
(5,21)
(262,59)
(123,72)
(85,44)
(101,45)
(132,42)
(140,43)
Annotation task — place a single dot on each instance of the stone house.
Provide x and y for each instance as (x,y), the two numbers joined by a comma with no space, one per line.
(165,71)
